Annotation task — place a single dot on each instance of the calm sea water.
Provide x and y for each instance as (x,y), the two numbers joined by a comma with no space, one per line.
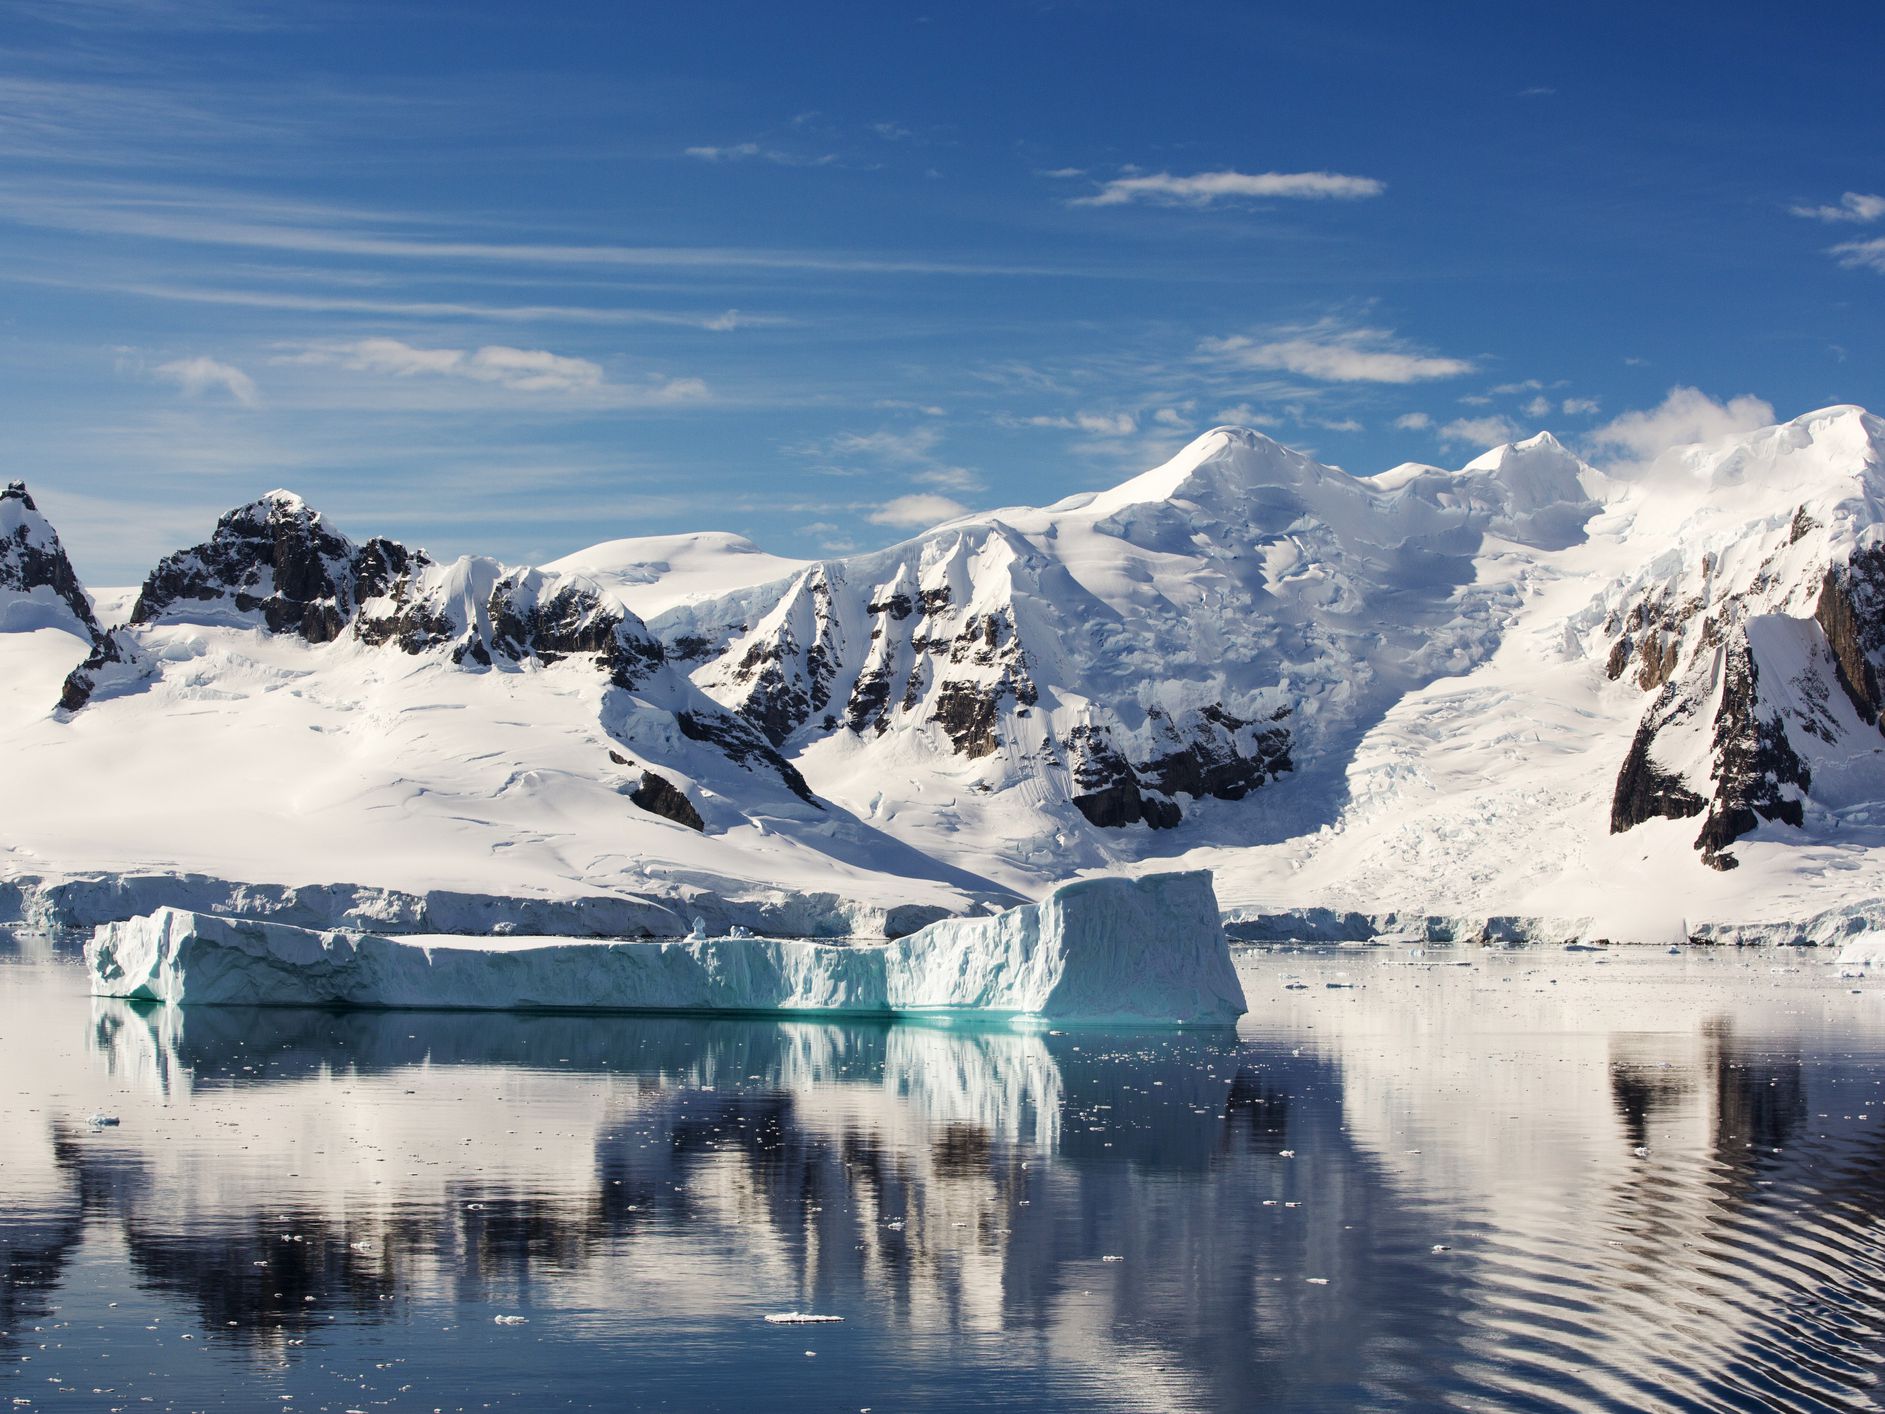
(1543,1181)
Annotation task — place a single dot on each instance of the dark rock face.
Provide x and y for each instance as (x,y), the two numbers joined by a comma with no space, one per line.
(1754,764)
(743,744)
(571,622)
(1757,774)
(659,796)
(274,557)
(776,705)
(31,557)
(1213,761)
(1851,613)
(110,651)
(968,712)
(1646,793)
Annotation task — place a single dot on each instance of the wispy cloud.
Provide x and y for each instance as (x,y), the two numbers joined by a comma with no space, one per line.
(436,309)
(1335,354)
(1204,188)
(752,151)
(535,371)
(197,217)
(909,454)
(1856,207)
(1413,422)
(202,374)
(1867,255)
(917,511)
(1480,431)
(1097,424)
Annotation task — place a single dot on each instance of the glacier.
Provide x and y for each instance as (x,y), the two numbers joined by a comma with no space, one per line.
(1149,950)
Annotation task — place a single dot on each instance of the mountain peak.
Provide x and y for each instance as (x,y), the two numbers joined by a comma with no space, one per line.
(38,588)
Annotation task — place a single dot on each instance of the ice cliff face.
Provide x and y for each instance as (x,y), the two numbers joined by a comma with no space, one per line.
(38,588)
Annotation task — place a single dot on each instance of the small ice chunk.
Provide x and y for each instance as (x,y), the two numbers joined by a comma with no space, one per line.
(511,1320)
(801,1318)
(102,1121)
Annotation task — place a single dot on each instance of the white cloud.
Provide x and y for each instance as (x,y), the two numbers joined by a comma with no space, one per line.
(917,511)
(1336,355)
(1529,385)
(1169,417)
(1687,415)
(745,151)
(1345,424)
(1413,422)
(1097,424)
(951,478)
(1854,206)
(1164,189)
(200,375)
(535,371)
(526,370)
(1244,415)
(1480,431)
(1869,254)
(1579,407)
(1539,406)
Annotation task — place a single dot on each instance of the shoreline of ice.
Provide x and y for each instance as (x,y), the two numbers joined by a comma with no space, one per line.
(1148,950)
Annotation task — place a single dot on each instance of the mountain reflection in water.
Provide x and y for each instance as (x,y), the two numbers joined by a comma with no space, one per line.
(1531,1184)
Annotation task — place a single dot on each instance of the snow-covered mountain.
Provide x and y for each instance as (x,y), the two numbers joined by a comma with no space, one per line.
(38,588)
(1526,686)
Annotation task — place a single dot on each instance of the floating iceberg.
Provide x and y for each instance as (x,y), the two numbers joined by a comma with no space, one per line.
(1100,950)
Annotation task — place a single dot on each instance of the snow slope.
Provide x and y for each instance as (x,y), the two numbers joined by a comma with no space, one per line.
(654,573)
(287,706)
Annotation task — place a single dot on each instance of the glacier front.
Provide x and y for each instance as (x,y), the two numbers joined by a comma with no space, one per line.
(1113,950)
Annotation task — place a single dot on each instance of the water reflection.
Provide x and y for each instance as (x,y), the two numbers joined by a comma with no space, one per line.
(1386,1198)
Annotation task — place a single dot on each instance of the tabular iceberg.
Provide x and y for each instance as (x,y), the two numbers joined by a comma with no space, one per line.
(1100,950)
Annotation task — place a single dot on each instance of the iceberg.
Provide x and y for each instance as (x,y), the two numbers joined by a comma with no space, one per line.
(1111,950)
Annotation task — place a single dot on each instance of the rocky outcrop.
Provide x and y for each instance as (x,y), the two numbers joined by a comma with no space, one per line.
(1646,792)
(274,559)
(1851,613)
(1758,774)
(659,796)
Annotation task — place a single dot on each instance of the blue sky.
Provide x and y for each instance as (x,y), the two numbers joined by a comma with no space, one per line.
(513,279)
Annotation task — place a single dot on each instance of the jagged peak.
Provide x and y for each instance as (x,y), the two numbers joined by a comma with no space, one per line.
(16,491)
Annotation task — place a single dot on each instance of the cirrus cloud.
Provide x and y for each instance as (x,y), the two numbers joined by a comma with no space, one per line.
(200,375)
(529,371)
(1204,188)
(1335,355)
(1860,208)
